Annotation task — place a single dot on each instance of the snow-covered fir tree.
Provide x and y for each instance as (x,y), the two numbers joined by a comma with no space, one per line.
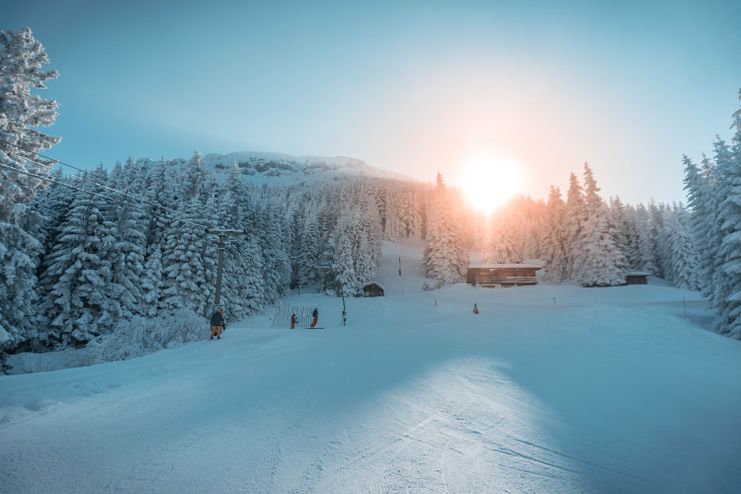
(727,294)
(80,271)
(575,217)
(22,172)
(555,254)
(183,260)
(129,229)
(623,231)
(682,258)
(599,260)
(445,257)
(702,208)
(158,194)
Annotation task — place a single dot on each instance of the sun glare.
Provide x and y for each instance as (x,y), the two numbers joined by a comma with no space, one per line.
(489,180)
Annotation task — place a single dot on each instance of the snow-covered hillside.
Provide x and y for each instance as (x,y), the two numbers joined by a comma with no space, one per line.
(277,168)
(549,389)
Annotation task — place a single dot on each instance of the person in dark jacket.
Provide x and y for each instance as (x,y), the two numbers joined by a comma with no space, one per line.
(314,317)
(217,323)
(294,321)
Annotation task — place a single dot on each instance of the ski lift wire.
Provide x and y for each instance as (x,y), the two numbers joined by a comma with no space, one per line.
(43,156)
(125,195)
(111,189)
(48,179)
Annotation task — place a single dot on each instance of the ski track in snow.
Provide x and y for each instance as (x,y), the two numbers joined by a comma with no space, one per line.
(608,390)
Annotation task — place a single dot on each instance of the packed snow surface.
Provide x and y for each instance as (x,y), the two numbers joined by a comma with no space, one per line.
(548,389)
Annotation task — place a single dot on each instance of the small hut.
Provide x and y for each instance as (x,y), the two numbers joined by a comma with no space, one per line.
(636,278)
(373,290)
(491,275)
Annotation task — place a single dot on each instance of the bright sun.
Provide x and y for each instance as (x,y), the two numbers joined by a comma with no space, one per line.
(489,180)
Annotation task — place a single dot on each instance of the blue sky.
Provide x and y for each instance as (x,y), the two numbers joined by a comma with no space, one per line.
(411,86)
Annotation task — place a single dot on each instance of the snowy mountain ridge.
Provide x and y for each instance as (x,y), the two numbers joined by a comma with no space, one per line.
(277,168)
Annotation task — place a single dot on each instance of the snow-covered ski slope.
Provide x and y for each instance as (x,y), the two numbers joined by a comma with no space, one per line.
(549,389)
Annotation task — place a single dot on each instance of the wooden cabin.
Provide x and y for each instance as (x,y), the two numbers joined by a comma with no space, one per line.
(505,275)
(636,278)
(373,290)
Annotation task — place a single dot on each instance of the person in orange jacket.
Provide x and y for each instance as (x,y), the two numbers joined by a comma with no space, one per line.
(217,323)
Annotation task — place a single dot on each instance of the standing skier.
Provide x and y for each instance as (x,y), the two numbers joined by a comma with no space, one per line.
(475,309)
(294,320)
(314,317)
(217,323)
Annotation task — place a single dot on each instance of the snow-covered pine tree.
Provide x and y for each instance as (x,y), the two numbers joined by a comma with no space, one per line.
(720,228)
(22,59)
(210,215)
(159,197)
(502,243)
(600,261)
(632,238)
(683,259)
(250,269)
(621,227)
(183,260)
(445,258)
(600,256)
(127,214)
(295,237)
(78,305)
(230,211)
(151,282)
(343,269)
(659,213)
(702,212)
(647,241)
(276,268)
(411,207)
(51,204)
(311,251)
(188,254)
(368,242)
(555,239)
(196,178)
(728,268)
(575,216)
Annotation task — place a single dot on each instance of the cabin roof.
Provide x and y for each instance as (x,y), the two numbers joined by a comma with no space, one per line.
(503,266)
(637,273)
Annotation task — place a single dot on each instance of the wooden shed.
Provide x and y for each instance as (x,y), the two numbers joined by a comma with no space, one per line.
(373,290)
(491,275)
(636,278)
